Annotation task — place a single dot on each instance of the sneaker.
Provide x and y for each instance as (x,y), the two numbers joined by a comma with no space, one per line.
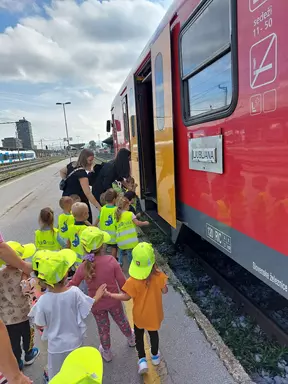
(31,356)
(131,340)
(21,365)
(142,366)
(107,355)
(155,359)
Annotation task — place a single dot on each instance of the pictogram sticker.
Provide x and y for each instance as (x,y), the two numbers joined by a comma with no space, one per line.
(263,61)
(270,101)
(255,105)
(255,4)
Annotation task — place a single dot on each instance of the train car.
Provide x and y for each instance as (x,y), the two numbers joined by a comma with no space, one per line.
(204,113)
(7,157)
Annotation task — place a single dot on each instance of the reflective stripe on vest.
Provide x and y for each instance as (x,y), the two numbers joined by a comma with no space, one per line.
(47,239)
(126,234)
(107,222)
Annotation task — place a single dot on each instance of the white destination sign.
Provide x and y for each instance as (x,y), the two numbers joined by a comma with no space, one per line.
(204,155)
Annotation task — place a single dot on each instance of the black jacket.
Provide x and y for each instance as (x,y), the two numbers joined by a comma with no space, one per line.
(104,180)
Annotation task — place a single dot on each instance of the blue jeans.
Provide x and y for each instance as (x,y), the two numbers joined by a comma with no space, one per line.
(128,254)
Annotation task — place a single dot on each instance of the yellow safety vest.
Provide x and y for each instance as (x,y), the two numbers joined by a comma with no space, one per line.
(126,234)
(107,221)
(65,221)
(74,237)
(47,239)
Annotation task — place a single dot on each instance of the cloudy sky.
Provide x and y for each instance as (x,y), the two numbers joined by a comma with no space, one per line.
(69,50)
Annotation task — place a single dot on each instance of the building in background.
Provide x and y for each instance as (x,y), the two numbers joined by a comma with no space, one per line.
(24,132)
(12,143)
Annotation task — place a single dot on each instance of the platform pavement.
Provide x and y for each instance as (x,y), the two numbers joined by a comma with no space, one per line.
(187,356)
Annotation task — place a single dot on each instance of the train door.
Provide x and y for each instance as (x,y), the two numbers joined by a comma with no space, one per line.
(163,126)
(133,135)
(145,133)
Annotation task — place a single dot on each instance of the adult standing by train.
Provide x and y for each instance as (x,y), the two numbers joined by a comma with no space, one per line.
(116,169)
(75,178)
(8,364)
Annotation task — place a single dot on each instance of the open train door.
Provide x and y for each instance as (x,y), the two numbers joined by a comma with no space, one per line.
(163,126)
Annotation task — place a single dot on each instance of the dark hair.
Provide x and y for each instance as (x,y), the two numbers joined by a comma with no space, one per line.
(47,217)
(130,195)
(82,159)
(110,195)
(121,163)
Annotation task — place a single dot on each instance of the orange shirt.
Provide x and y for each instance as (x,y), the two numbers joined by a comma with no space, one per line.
(147,301)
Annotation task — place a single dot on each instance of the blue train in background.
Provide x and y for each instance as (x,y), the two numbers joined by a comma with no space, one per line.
(7,157)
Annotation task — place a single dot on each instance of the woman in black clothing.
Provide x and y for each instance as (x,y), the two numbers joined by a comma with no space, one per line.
(77,183)
(116,169)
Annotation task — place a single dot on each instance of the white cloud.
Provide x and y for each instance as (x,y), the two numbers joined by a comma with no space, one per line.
(78,52)
(18,5)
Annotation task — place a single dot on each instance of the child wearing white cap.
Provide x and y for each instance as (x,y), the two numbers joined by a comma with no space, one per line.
(145,286)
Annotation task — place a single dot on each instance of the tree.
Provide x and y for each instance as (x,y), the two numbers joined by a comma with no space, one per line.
(92,145)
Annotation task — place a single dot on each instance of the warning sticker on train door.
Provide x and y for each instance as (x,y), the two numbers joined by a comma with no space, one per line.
(219,237)
(263,61)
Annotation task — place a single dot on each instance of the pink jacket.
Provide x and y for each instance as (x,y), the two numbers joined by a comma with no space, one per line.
(107,271)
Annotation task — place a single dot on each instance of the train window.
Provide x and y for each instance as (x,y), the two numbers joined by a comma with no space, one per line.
(206,63)
(132,111)
(125,118)
(159,91)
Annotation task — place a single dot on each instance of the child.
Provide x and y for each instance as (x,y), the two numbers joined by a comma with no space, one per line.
(129,184)
(47,237)
(96,270)
(62,310)
(80,213)
(86,364)
(145,287)
(65,219)
(131,196)
(106,219)
(75,199)
(15,307)
(126,234)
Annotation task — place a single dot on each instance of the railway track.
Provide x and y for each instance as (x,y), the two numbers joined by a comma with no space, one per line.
(241,307)
(8,172)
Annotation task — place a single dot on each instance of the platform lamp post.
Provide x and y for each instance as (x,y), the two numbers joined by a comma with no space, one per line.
(66,126)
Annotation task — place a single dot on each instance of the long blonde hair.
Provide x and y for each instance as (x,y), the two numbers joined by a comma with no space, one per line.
(122,203)
(89,266)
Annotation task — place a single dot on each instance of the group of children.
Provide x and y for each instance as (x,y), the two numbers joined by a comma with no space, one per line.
(78,254)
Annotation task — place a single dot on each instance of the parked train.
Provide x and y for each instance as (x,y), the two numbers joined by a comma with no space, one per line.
(204,112)
(14,156)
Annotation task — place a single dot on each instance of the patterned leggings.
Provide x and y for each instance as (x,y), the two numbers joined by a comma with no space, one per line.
(103,324)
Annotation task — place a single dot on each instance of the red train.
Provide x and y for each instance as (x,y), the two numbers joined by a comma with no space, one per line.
(204,113)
